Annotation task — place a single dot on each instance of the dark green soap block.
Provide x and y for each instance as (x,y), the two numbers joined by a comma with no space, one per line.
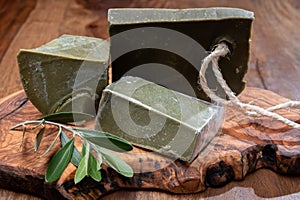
(157,118)
(167,46)
(66,74)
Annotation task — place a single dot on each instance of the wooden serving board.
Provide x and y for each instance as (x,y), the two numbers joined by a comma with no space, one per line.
(244,145)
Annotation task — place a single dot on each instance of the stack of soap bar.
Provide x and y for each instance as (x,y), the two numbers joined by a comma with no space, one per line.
(157,118)
(142,40)
(66,74)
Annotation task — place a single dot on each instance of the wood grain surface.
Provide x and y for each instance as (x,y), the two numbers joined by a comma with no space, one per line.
(243,145)
(273,64)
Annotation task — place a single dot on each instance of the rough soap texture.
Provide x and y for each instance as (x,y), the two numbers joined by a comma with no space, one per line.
(66,74)
(156,118)
(179,39)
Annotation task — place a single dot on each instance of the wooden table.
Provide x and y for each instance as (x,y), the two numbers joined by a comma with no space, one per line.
(274,62)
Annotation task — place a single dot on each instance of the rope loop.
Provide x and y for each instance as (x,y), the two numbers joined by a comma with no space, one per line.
(221,50)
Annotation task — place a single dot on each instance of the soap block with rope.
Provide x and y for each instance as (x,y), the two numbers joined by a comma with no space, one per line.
(167,46)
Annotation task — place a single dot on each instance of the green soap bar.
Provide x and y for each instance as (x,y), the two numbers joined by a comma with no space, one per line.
(66,74)
(157,118)
(145,41)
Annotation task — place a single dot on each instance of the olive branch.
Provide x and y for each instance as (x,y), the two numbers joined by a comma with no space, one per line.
(96,146)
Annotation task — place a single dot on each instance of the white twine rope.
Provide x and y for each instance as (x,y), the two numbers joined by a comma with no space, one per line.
(222,50)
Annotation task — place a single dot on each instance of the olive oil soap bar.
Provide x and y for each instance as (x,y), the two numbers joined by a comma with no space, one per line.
(156,118)
(66,74)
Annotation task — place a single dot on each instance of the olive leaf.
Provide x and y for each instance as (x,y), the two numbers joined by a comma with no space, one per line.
(67,117)
(76,157)
(116,162)
(98,160)
(106,140)
(93,170)
(82,170)
(39,138)
(88,166)
(59,162)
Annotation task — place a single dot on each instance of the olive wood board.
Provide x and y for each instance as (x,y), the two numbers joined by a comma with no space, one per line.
(243,145)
